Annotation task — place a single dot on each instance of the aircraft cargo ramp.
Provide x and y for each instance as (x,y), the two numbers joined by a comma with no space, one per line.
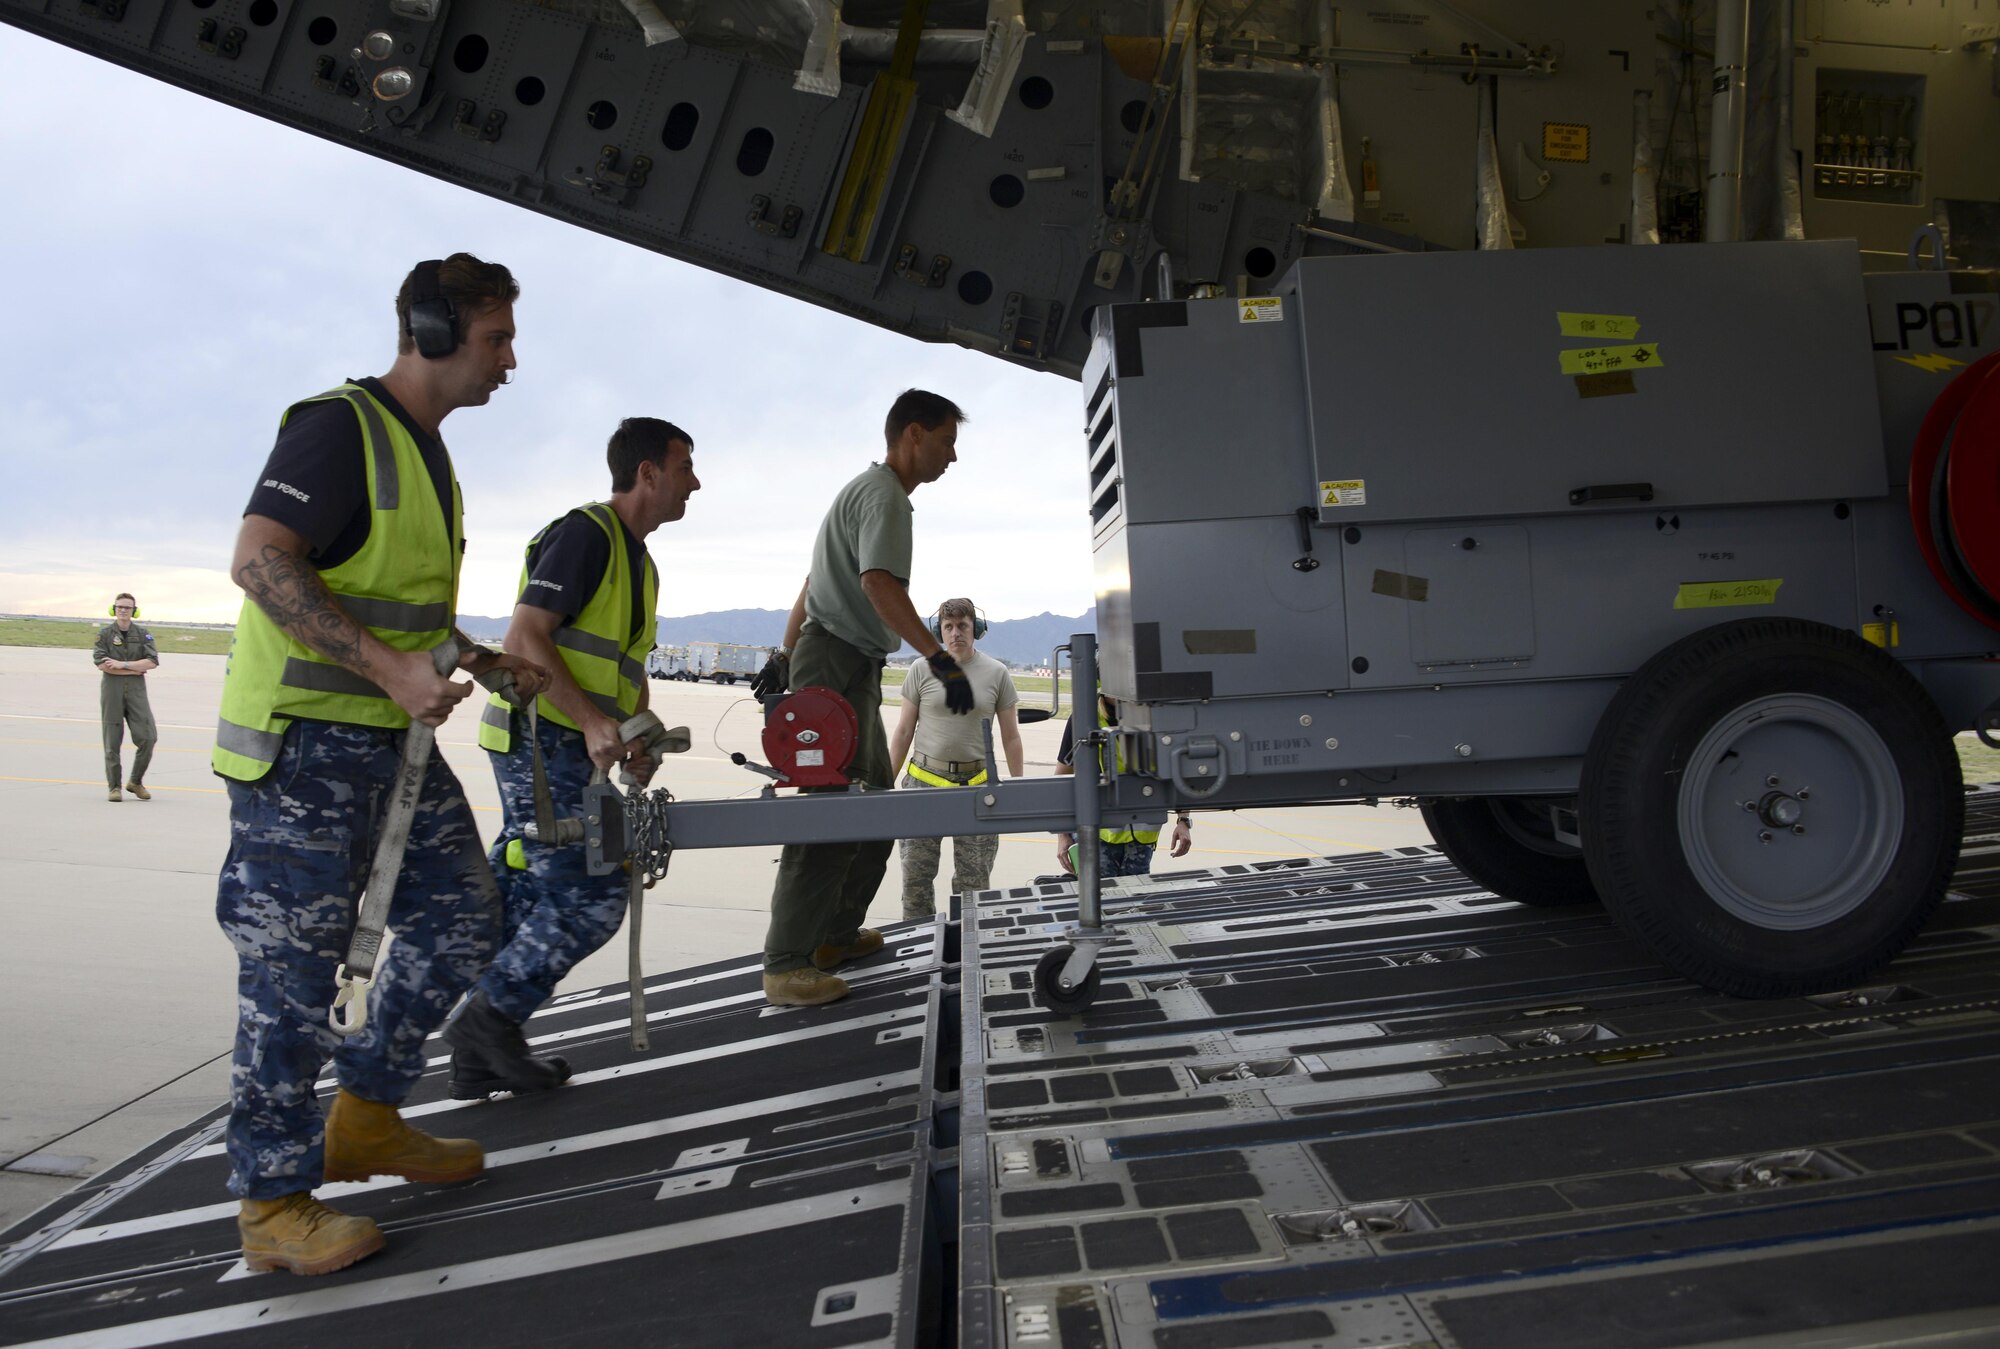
(1335,1103)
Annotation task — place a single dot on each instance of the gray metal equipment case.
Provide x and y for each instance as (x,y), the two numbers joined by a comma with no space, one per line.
(1408,526)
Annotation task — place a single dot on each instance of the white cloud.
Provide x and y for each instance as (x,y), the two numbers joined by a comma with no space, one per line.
(181,270)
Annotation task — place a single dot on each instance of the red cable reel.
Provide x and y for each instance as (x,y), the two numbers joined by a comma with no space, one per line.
(1955,490)
(810,737)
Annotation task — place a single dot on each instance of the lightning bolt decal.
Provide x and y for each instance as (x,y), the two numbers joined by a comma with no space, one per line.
(1930,361)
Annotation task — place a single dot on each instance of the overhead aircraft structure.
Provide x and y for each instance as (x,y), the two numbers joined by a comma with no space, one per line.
(992,174)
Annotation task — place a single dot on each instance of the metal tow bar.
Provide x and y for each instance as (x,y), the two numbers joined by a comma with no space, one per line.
(357,974)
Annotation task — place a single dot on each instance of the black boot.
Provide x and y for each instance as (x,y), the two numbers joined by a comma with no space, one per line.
(489,1054)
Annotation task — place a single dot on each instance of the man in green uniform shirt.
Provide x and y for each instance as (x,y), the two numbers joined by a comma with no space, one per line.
(125,653)
(849,616)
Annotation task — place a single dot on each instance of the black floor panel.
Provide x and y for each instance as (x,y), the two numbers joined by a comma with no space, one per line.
(1334,1102)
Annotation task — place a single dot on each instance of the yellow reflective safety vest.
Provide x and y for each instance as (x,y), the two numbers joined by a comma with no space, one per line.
(607,661)
(1133,835)
(402,585)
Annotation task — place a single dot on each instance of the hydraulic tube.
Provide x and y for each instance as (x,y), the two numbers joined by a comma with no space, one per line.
(1722,217)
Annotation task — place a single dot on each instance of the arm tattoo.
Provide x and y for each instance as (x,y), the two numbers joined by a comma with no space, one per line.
(295,597)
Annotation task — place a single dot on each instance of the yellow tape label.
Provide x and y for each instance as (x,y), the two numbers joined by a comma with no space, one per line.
(1260,309)
(1724,594)
(1566,142)
(1598,360)
(1883,634)
(1348,492)
(1605,327)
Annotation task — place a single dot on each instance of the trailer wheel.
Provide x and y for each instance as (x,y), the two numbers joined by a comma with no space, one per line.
(1772,806)
(1508,845)
(1048,970)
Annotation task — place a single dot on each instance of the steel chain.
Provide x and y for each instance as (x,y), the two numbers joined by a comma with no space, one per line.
(646,827)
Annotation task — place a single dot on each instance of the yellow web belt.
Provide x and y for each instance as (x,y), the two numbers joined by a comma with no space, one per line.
(925,775)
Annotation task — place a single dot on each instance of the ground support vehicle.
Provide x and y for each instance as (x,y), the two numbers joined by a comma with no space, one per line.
(668,662)
(725,662)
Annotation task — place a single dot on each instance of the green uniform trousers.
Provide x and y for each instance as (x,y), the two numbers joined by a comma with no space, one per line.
(824,889)
(123,703)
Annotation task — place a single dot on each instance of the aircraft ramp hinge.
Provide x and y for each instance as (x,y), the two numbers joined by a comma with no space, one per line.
(228,44)
(329,76)
(1026,332)
(607,182)
(785,225)
(111,11)
(465,120)
(907,268)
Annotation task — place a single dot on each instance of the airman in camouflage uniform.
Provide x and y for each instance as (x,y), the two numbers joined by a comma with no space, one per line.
(348,557)
(586,606)
(124,651)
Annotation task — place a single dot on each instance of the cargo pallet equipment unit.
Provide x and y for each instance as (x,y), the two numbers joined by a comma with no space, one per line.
(1316,1102)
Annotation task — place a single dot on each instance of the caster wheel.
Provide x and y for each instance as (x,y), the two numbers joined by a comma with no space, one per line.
(1048,988)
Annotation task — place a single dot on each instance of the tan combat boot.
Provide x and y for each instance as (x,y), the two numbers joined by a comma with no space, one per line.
(367,1138)
(115,795)
(804,987)
(296,1232)
(867,941)
(139,790)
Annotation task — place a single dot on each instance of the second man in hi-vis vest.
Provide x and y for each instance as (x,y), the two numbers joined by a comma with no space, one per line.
(588,594)
(349,558)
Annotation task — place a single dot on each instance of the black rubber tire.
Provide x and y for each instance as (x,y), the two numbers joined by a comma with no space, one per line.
(1505,845)
(1049,968)
(1656,804)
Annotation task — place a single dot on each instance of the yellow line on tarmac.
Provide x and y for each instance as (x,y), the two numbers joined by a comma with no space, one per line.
(96,721)
(92,744)
(81,782)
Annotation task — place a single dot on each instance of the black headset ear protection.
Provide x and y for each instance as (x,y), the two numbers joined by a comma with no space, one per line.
(978,622)
(113,610)
(433,321)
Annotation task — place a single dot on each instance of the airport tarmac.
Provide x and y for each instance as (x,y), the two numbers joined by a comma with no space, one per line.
(117,991)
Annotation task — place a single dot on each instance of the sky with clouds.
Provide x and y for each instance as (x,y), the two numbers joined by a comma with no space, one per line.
(180,271)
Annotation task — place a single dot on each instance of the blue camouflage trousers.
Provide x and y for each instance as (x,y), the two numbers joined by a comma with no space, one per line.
(1124,859)
(556,911)
(300,842)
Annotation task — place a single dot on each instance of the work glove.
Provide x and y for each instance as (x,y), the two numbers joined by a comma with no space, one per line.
(775,677)
(957,688)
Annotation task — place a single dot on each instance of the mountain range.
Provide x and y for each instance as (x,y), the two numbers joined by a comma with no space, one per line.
(1019,641)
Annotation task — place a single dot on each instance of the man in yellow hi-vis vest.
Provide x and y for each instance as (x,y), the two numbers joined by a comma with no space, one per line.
(586,606)
(1126,850)
(348,556)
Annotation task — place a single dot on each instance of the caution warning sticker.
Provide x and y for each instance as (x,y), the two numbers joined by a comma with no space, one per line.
(1597,360)
(1566,142)
(1723,594)
(1348,492)
(1260,309)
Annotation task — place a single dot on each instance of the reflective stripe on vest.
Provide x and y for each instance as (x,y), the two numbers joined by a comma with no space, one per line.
(610,674)
(1122,835)
(925,776)
(402,585)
